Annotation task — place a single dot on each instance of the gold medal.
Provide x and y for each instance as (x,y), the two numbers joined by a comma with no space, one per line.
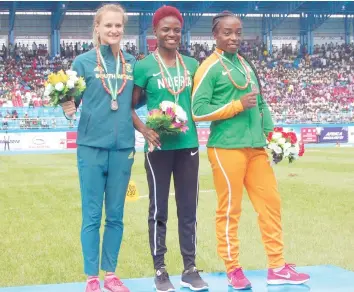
(114,105)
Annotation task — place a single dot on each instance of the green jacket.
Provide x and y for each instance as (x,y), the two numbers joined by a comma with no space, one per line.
(216,99)
(100,126)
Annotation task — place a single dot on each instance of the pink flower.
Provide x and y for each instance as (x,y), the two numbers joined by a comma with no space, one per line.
(176,125)
(184,129)
(170,112)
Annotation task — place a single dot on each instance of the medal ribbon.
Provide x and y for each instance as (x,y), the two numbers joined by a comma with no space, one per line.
(113,92)
(233,64)
(170,77)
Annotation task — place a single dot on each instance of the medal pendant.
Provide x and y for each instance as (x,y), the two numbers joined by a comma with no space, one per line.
(254,87)
(114,105)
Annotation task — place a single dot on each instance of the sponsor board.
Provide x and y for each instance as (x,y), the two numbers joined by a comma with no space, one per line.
(14,139)
(139,140)
(72,136)
(71,140)
(309,135)
(203,136)
(43,141)
(334,135)
(351,134)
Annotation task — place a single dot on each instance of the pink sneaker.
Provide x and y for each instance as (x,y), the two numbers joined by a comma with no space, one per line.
(93,285)
(237,280)
(286,275)
(113,284)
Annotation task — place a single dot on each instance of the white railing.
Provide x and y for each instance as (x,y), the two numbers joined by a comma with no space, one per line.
(63,123)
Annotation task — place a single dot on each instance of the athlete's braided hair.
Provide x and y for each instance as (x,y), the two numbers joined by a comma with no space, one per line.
(218,17)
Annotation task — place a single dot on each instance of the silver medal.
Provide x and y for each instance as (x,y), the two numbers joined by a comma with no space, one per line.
(114,105)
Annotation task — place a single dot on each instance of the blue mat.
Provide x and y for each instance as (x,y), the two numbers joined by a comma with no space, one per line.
(323,279)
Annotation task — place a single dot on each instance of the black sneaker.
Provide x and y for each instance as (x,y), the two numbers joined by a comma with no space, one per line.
(192,280)
(162,281)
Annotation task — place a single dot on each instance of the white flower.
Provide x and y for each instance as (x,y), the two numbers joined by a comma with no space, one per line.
(71,73)
(166,104)
(181,114)
(277,135)
(46,93)
(49,88)
(287,152)
(286,145)
(272,146)
(281,141)
(294,149)
(70,84)
(59,86)
(277,149)
(73,79)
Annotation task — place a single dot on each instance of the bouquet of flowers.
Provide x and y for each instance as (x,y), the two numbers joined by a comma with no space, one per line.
(170,119)
(61,87)
(284,145)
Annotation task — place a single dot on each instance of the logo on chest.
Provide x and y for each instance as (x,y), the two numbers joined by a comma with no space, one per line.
(113,76)
(128,73)
(174,82)
(128,68)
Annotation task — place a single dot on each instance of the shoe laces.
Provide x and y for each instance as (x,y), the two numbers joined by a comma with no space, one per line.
(194,271)
(117,282)
(238,273)
(94,284)
(291,267)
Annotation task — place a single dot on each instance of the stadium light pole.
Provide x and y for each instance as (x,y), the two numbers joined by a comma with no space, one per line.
(347,30)
(12,17)
(56,21)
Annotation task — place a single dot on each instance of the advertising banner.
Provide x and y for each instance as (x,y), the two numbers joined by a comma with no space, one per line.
(334,135)
(43,141)
(203,135)
(139,140)
(351,134)
(151,44)
(13,141)
(71,140)
(309,135)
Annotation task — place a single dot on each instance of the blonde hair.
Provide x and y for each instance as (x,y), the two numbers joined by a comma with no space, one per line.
(97,19)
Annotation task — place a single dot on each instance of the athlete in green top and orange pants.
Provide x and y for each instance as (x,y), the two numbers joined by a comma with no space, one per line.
(226,92)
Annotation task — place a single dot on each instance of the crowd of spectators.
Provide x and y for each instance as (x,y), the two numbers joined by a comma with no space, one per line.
(299,88)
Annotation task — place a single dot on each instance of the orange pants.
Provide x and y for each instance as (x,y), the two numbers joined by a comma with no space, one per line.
(232,169)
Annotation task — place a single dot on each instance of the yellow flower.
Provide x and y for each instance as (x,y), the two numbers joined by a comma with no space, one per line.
(63,77)
(53,79)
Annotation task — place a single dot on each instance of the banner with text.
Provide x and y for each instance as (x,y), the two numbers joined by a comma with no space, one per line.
(351,134)
(71,140)
(308,135)
(13,141)
(203,136)
(44,141)
(334,135)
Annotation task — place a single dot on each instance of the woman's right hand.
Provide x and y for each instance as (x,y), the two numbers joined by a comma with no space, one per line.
(249,100)
(152,137)
(69,108)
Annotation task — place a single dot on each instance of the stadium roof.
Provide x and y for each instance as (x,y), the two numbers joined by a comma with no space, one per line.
(240,7)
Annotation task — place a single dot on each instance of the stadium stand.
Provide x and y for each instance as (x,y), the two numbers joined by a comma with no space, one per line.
(303,82)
